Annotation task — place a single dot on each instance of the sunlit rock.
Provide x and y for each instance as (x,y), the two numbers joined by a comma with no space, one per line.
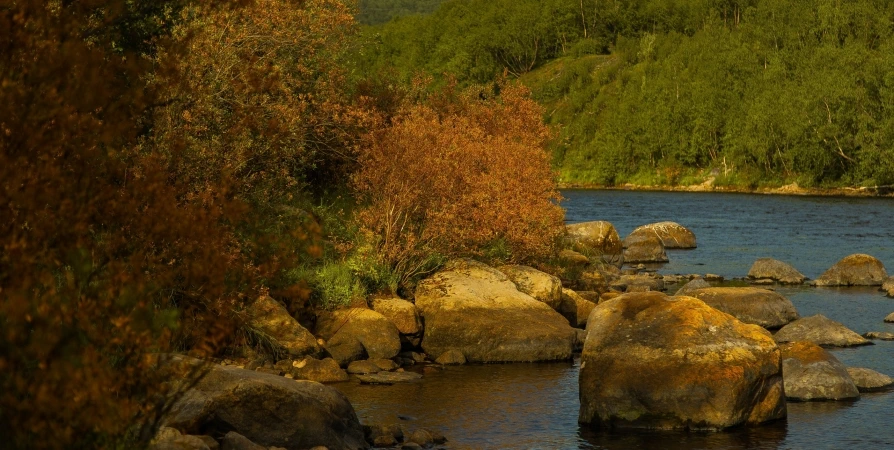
(378,335)
(750,305)
(653,361)
(778,271)
(812,373)
(820,330)
(854,270)
(671,234)
(476,309)
(868,380)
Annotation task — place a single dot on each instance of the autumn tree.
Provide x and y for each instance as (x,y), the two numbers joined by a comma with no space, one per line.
(108,253)
(464,173)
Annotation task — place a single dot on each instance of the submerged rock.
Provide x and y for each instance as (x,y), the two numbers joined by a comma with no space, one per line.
(879,335)
(653,361)
(868,380)
(671,234)
(389,377)
(750,305)
(812,373)
(778,271)
(644,248)
(820,330)
(269,410)
(854,270)
(474,308)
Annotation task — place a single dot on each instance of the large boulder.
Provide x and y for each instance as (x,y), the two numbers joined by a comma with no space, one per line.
(269,410)
(378,335)
(400,312)
(653,361)
(596,238)
(778,271)
(750,305)
(644,248)
(540,285)
(269,317)
(476,309)
(820,330)
(854,270)
(671,234)
(812,373)
(868,380)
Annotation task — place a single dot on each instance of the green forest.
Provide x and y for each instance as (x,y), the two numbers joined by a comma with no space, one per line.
(666,92)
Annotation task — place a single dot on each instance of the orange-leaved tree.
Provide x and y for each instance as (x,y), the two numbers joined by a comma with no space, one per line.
(106,257)
(463,173)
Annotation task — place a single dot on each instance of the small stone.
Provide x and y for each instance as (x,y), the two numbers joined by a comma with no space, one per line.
(713,277)
(421,437)
(384,364)
(762,282)
(236,441)
(868,380)
(388,378)
(410,446)
(890,318)
(417,357)
(363,367)
(451,357)
(383,435)
(879,335)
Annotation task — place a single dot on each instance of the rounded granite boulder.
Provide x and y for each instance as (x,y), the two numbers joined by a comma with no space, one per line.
(659,362)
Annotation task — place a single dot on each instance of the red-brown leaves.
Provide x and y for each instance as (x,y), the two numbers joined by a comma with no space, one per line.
(454,178)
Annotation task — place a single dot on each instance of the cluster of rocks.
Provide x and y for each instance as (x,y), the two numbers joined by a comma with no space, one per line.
(709,357)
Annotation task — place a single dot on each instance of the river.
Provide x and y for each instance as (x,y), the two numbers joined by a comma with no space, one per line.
(535,406)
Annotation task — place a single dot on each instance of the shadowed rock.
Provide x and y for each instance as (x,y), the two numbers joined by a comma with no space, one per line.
(378,335)
(692,286)
(653,361)
(644,248)
(269,317)
(820,330)
(778,271)
(389,377)
(812,373)
(269,410)
(854,270)
(750,305)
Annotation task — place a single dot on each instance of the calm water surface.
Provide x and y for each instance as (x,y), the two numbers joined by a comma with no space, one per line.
(535,406)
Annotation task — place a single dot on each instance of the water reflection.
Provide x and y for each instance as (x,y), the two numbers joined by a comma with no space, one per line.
(764,437)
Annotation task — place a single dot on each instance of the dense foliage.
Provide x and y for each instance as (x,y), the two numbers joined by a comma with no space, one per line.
(465,174)
(675,91)
(374,12)
(162,164)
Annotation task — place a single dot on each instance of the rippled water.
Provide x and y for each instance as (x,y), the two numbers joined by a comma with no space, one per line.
(529,406)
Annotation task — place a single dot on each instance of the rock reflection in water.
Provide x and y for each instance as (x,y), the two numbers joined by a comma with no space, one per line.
(765,437)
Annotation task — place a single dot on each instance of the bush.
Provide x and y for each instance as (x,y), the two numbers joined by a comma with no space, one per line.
(456,175)
(335,285)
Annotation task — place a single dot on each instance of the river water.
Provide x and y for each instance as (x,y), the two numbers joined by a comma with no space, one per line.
(535,406)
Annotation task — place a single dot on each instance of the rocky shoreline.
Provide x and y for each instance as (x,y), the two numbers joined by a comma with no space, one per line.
(708,356)
(709,186)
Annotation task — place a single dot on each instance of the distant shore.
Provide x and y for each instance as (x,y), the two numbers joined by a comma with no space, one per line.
(708,186)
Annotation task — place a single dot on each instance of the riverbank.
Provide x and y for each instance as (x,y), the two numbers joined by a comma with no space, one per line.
(709,186)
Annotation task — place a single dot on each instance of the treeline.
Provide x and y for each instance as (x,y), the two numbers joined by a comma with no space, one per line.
(672,92)
(375,12)
(163,165)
